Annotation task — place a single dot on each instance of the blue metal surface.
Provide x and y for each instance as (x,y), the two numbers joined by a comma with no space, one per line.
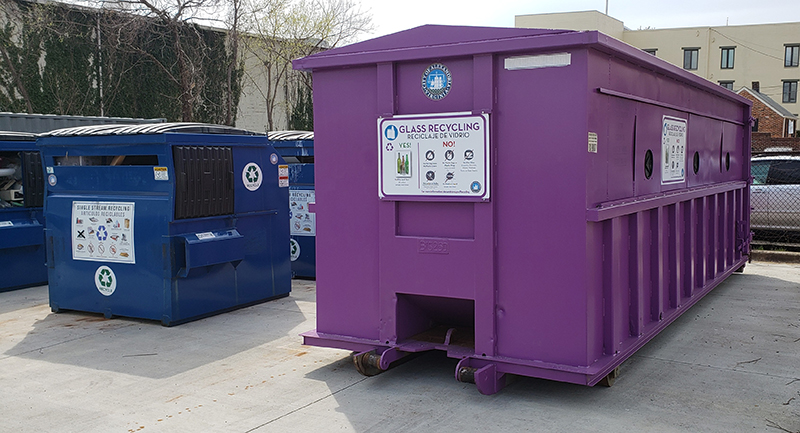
(298,148)
(22,250)
(184,269)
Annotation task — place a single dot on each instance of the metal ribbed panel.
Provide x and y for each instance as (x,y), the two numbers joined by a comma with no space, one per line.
(204,181)
(157,128)
(290,135)
(34,179)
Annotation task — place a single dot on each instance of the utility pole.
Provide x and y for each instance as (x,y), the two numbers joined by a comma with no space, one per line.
(606,7)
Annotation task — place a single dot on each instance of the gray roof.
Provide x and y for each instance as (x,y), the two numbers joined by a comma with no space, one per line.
(290,135)
(154,128)
(769,102)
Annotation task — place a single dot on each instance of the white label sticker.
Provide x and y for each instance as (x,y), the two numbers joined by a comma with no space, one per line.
(592,142)
(252,176)
(302,222)
(103,231)
(283,176)
(160,173)
(49,170)
(294,252)
(206,235)
(6,224)
(105,280)
(443,155)
(673,150)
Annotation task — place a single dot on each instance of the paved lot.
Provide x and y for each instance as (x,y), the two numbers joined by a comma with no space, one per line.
(730,364)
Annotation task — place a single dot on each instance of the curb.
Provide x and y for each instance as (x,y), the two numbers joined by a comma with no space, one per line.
(775,256)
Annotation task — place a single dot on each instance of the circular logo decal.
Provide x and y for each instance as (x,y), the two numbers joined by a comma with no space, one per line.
(273,158)
(52,180)
(105,280)
(295,251)
(436,81)
(475,187)
(252,176)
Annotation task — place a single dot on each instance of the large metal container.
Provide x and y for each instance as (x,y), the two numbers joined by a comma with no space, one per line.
(22,251)
(169,222)
(297,148)
(593,194)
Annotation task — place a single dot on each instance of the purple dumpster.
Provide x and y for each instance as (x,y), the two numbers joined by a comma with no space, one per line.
(532,202)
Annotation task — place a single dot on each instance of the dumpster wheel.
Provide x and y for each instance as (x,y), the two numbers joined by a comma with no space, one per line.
(610,378)
(367,363)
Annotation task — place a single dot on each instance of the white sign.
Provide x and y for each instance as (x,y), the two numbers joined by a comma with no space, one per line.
(102,231)
(160,173)
(252,176)
(303,222)
(105,280)
(205,235)
(441,155)
(283,176)
(673,150)
(6,224)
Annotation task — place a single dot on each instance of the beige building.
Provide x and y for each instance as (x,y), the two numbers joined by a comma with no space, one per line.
(763,57)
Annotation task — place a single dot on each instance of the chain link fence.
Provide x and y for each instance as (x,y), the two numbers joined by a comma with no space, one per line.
(775,200)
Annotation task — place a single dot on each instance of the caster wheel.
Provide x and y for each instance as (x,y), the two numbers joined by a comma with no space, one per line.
(609,380)
(367,363)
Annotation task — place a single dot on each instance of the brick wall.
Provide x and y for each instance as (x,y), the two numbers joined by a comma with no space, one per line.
(768,120)
(763,140)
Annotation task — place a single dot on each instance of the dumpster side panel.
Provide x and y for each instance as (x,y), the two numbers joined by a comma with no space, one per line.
(22,250)
(541,130)
(655,256)
(347,232)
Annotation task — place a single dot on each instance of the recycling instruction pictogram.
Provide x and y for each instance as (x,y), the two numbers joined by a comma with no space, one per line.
(102,234)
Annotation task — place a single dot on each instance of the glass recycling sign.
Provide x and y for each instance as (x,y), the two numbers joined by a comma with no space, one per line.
(436,155)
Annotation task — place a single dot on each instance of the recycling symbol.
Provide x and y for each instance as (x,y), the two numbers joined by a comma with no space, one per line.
(104,278)
(295,251)
(252,174)
(102,234)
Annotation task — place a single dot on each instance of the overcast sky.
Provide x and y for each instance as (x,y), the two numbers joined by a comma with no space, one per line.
(392,16)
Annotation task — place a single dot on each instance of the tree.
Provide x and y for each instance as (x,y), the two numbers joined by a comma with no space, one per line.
(284,30)
(169,23)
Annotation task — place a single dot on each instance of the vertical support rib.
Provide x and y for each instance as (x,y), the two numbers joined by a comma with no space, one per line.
(636,275)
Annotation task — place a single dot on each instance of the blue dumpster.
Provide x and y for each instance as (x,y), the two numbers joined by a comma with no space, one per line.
(297,148)
(169,222)
(22,252)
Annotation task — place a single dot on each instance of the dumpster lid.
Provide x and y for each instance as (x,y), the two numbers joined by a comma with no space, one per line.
(439,42)
(434,40)
(157,128)
(290,135)
(17,136)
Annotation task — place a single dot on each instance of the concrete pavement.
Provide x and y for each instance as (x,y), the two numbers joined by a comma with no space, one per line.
(731,363)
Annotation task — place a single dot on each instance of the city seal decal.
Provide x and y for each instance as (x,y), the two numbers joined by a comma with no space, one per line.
(436,81)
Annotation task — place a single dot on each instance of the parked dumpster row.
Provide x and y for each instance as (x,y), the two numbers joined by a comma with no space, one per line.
(168,222)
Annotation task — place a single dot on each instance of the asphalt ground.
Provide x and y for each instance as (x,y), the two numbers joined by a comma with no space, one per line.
(730,364)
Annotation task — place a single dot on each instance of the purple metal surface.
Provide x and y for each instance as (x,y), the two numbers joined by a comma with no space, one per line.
(578,258)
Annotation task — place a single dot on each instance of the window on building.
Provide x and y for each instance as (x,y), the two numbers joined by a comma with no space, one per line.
(690,57)
(726,60)
(792,58)
(790,91)
(726,84)
(755,125)
(652,51)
